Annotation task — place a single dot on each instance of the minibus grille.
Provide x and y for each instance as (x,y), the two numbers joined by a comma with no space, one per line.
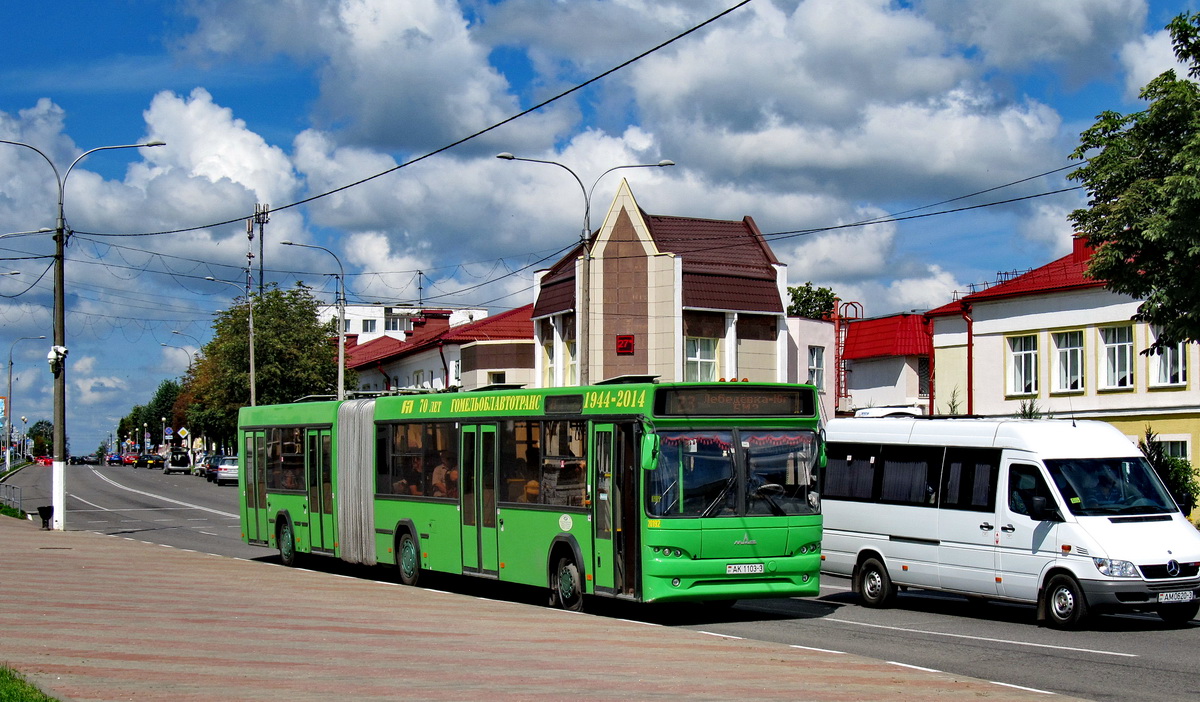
(1162,571)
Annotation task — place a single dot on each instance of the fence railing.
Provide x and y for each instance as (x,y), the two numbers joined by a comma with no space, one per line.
(11,495)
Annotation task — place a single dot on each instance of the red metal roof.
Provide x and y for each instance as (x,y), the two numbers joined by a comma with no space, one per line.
(1066,273)
(896,335)
(510,324)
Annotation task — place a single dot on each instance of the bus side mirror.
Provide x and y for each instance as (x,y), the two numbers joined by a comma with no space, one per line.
(1039,511)
(650,446)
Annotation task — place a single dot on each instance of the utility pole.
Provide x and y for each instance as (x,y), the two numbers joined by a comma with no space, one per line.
(261,217)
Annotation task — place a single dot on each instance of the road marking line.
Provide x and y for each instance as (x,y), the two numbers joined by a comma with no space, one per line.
(164,499)
(914,667)
(1022,687)
(723,636)
(985,638)
(819,650)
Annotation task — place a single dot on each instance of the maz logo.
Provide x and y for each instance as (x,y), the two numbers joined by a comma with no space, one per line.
(745,541)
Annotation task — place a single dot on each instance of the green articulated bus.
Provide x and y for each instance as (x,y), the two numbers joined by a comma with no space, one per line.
(635,490)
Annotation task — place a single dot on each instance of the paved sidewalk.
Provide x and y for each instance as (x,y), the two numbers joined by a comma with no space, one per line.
(93,617)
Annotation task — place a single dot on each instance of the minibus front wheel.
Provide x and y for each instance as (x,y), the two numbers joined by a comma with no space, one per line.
(874,584)
(1178,614)
(1064,603)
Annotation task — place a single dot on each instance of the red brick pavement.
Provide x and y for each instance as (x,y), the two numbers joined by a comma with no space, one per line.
(93,617)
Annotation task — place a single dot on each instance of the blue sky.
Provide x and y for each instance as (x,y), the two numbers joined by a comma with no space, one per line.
(801,114)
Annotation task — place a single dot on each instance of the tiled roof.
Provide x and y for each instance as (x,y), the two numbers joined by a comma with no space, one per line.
(1066,273)
(510,324)
(896,335)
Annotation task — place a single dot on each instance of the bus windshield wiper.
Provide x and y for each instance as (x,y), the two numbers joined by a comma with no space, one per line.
(763,492)
(720,498)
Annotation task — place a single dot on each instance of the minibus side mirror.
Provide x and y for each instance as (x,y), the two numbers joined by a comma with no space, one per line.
(1039,510)
(650,446)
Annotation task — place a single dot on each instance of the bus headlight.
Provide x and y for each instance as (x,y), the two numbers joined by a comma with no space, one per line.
(1116,569)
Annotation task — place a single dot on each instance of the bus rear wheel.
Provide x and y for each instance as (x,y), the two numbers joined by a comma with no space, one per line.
(287,544)
(568,586)
(875,585)
(408,561)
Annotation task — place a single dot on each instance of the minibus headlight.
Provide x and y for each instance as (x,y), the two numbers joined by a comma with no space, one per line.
(1116,569)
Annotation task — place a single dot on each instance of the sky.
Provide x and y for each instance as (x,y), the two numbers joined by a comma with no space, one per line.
(370,127)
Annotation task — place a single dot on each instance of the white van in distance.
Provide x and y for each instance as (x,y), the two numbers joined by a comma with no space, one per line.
(1066,515)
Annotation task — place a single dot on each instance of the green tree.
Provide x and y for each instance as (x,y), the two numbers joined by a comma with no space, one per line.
(294,356)
(1176,473)
(811,302)
(42,433)
(1142,174)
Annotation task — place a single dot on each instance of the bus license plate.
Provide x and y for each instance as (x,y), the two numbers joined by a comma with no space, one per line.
(1184,596)
(743,568)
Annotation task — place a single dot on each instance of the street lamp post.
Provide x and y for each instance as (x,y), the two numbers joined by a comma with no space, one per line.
(583,314)
(341,304)
(8,407)
(190,355)
(250,302)
(58,352)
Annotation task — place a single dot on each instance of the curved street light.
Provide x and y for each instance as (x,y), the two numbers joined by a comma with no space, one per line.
(341,303)
(584,304)
(8,409)
(58,489)
(250,302)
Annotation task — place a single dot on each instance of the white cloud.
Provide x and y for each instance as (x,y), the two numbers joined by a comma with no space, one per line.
(1146,58)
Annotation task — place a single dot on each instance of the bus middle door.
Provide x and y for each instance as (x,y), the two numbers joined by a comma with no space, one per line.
(320,491)
(478,458)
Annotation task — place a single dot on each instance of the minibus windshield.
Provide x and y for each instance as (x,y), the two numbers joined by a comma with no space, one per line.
(1109,486)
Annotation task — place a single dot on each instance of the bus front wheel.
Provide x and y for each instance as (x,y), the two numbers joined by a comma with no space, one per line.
(408,561)
(568,586)
(875,585)
(287,544)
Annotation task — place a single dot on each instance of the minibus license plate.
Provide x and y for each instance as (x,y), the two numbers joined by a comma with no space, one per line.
(1184,596)
(743,568)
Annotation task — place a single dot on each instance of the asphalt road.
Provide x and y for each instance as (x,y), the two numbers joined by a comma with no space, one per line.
(1115,658)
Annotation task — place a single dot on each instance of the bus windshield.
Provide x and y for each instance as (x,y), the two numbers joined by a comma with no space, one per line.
(722,473)
(1109,486)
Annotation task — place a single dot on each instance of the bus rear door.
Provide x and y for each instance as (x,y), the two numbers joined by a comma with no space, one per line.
(478,458)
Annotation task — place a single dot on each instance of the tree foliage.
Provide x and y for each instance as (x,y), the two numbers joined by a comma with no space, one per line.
(1176,473)
(1142,174)
(811,302)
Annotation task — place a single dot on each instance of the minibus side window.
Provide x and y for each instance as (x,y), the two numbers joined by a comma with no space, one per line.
(1025,482)
(850,471)
(910,475)
(969,479)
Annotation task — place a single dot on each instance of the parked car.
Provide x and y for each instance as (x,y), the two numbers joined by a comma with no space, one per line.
(114,459)
(210,467)
(227,470)
(129,459)
(179,461)
(149,460)
(44,460)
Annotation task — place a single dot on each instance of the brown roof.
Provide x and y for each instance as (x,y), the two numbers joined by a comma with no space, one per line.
(507,325)
(727,265)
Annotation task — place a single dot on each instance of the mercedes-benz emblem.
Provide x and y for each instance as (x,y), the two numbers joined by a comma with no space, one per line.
(1173,568)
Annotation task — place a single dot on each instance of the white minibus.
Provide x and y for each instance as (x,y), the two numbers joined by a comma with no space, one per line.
(1063,514)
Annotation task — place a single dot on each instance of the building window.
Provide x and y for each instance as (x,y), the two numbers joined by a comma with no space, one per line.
(1023,365)
(923,377)
(1170,366)
(393,323)
(418,378)
(1174,449)
(548,362)
(368,326)
(569,373)
(1068,361)
(816,366)
(1118,356)
(346,325)
(700,363)
(496,378)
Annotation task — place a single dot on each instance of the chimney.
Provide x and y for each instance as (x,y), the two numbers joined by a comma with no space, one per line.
(1081,252)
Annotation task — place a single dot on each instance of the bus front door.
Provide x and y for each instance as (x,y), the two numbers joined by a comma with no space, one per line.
(320,492)
(602,507)
(254,476)
(478,457)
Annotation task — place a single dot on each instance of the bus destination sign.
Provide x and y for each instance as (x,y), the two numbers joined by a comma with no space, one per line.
(734,401)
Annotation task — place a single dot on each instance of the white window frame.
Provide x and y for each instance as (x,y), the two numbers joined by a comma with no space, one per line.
(570,376)
(368,326)
(1116,344)
(700,359)
(392,323)
(1169,368)
(1023,364)
(816,366)
(1068,361)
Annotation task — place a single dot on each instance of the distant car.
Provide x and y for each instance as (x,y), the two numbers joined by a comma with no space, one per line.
(179,460)
(44,460)
(149,460)
(227,470)
(129,459)
(210,467)
(91,460)
(114,459)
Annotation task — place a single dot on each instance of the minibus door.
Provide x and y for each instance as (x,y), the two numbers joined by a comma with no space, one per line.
(968,521)
(1025,544)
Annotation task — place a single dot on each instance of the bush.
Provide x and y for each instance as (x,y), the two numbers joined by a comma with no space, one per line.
(1176,473)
